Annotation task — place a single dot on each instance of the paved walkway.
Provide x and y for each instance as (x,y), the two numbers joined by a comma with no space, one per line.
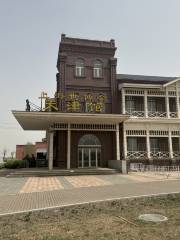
(25,194)
(40,184)
(39,200)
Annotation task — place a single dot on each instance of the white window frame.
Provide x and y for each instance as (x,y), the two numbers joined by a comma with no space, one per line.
(97,69)
(79,69)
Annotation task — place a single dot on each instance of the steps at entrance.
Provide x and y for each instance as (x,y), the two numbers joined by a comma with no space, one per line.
(65,172)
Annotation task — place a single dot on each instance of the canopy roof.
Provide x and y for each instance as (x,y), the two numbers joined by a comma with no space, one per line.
(44,120)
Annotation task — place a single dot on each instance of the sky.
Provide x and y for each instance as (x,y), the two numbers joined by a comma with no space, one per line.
(146,34)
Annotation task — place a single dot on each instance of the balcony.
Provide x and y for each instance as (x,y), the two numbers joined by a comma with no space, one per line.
(155,107)
(158,148)
(134,106)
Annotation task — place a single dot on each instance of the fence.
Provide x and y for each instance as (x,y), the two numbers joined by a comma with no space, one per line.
(140,167)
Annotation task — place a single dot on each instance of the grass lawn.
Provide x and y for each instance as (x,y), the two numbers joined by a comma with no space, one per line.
(97,221)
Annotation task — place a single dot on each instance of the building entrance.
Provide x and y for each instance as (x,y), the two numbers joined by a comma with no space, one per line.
(89,157)
(89,151)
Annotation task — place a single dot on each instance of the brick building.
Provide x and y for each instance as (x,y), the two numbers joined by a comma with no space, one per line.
(99,118)
(38,150)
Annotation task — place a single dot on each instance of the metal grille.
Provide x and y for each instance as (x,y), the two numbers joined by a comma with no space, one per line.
(64,126)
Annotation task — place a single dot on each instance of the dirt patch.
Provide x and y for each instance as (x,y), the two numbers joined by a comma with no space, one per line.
(111,220)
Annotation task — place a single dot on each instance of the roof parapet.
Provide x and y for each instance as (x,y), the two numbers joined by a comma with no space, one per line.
(87,42)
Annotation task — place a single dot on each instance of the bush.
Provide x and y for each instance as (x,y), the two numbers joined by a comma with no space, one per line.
(30,161)
(12,164)
(1,165)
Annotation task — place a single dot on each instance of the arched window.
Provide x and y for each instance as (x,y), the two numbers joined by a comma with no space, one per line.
(97,69)
(79,72)
(89,140)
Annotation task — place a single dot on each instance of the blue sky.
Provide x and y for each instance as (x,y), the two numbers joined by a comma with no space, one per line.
(146,33)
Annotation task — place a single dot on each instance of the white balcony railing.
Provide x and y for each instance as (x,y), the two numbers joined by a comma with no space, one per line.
(176,154)
(136,154)
(157,114)
(152,114)
(173,114)
(153,155)
(135,113)
(160,154)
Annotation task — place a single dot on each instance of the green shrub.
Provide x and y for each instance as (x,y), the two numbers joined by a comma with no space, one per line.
(12,164)
(1,165)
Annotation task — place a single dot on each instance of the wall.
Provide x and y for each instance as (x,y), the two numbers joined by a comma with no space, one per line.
(71,49)
(108,149)
(19,152)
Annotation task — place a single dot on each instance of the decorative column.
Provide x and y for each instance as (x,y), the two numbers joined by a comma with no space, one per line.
(123,102)
(124,162)
(148,144)
(167,103)
(68,147)
(177,101)
(50,152)
(145,104)
(170,144)
(125,142)
(117,142)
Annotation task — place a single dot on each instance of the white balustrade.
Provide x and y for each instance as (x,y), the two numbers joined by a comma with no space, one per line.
(173,114)
(157,114)
(176,154)
(153,155)
(159,154)
(152,114)
(135,113)
(136,154)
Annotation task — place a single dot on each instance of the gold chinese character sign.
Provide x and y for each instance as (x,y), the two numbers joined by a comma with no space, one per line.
(73,102)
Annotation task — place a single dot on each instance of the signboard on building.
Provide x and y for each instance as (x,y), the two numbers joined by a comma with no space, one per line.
(73,102)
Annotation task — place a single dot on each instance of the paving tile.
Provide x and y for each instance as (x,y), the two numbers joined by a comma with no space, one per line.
(41,200)
(65,183)
(40,184)
(11,185)
(86,181)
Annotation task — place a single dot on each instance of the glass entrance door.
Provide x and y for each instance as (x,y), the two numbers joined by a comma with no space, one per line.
(88,157)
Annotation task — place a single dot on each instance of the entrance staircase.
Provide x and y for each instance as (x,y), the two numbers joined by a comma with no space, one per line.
(60,172)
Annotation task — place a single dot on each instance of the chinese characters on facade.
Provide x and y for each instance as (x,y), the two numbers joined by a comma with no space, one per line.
(74,102)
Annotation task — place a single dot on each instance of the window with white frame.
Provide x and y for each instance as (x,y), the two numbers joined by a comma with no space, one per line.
(130,104)
(80,70)
(152,105)
(132,144)
(154,145)
(97,69)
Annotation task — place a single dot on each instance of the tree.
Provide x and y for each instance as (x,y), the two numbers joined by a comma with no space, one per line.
(12,155)
(4,154)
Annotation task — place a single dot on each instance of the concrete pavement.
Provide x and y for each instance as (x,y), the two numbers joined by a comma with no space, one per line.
(20,202)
